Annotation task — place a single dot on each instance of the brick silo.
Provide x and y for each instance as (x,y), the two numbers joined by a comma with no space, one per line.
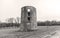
(28,18)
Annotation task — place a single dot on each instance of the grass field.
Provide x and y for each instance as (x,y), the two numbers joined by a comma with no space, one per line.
(42,32)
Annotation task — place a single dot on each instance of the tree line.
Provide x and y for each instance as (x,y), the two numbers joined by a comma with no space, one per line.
(11,22)
(48,23)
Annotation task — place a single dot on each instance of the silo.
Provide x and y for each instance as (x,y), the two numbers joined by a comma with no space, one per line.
(28,18)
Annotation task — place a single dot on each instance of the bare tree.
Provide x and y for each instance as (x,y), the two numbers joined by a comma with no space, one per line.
(13,20)
(17,20)
(10,20)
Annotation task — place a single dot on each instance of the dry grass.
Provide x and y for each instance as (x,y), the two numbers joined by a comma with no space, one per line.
(12,32)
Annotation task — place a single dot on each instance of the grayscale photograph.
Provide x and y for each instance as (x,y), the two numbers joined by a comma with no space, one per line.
(29,18)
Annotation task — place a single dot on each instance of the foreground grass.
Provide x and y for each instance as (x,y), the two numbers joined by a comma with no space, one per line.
(14,33)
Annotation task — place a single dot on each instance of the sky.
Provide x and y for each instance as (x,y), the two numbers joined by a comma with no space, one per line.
(46,9)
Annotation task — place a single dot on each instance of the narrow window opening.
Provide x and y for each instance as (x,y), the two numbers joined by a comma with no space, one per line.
(28,10)
(28,13)
(28,18)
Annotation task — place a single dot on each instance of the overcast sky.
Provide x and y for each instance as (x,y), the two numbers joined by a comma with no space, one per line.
(46,9)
